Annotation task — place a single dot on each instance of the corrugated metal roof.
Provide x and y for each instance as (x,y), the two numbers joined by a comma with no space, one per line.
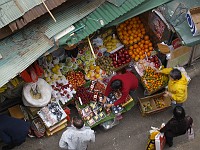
(21,50)
(11,10)
(70,16)
(106,12)
(117,2)
(34,13)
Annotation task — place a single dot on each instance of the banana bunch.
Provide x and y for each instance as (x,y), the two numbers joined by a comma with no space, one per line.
(15,81)
(3,88)
(110,43)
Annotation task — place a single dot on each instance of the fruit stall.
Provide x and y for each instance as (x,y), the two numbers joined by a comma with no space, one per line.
(81,80)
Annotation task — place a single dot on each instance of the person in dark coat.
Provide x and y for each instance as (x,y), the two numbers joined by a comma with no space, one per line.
(176,126)
(13,131)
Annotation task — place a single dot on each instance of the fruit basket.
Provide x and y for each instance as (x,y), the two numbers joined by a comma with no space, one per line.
(154,104)
(152,81)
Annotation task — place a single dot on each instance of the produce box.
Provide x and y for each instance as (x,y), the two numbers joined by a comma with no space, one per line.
(107,41)
(120,59)
(193,19)
(153,81)
(153,104)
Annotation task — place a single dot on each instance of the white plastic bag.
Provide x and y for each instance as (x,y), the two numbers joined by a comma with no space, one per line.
(190,133)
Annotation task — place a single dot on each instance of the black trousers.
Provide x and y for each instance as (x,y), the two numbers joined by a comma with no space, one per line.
(169,140)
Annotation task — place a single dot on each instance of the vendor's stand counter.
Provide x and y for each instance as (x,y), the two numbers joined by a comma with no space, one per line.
(111,116)
(126,107)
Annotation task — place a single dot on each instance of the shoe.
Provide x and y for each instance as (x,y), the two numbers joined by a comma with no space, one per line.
(170,144)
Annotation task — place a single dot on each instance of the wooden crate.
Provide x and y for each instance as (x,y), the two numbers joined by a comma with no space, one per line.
(155,109)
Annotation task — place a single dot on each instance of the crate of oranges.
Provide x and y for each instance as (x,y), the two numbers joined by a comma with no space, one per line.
(141,49)
(153,81)
(131,31)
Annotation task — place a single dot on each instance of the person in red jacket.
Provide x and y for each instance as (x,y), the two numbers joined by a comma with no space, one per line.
(123,82)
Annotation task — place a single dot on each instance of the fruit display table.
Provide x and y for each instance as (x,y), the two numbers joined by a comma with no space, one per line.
(103,116)
(90,107)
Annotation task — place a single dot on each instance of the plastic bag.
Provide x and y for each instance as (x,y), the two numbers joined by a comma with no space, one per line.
(160,141)
(45,90)
(190,133)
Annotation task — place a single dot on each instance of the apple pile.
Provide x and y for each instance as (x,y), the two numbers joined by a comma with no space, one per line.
(120,58)
(75,78)
(155,60)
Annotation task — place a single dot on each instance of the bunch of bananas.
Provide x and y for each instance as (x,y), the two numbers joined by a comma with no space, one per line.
(3,88)
(15,82)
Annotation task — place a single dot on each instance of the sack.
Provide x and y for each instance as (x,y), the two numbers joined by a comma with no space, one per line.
(190,133)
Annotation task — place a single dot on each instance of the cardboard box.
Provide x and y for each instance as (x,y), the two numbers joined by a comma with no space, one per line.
(151,100)
(179,56)
(193,19)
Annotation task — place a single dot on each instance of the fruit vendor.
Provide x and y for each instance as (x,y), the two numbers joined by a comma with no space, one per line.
(123,82)
(177,86)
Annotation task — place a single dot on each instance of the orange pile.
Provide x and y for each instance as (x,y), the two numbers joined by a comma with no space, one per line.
(141,49)
(131,31)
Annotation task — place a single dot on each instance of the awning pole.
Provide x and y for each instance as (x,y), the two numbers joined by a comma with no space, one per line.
(91,48)
(48,10)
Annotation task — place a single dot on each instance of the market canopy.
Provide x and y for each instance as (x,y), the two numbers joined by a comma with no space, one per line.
(21,49)
(11,10)
(183,29)
(108,14)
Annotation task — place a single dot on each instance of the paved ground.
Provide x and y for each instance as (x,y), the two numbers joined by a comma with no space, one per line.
(132,132)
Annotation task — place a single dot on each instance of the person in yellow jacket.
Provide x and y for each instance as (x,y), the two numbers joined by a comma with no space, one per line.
(177,86)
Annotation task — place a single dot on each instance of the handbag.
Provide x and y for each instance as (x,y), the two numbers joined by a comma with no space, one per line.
(190,130)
